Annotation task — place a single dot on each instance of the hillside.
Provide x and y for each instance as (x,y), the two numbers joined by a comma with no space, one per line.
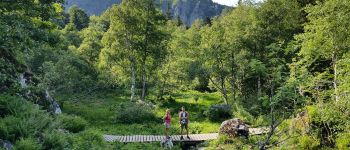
(270,75)
(188,10)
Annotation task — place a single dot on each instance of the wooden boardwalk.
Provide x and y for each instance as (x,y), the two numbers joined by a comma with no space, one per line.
(158,138)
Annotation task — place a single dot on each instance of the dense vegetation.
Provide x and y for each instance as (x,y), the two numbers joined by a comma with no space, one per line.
(187,10)
(284,64)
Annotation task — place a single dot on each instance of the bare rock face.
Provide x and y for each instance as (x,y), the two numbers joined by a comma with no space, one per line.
(234,128)
(55,107)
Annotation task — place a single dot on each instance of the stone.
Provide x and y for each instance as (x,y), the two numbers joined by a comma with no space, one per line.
(234,128)
(6,145)
(55,107)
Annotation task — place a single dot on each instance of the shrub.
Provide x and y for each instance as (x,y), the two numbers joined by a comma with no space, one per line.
(23,119)
(225,142)
(166,100)
(73,124)
(308,142)
(89,139)
(55,140)
(27,144)
(196,128)
(134,113)
(10,105)
(343,141)
(219,112)
(244,115)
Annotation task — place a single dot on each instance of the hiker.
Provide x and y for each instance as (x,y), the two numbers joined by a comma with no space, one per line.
(167,121)
(183,117)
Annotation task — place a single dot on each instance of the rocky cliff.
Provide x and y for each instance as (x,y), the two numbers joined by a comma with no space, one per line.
(187,10)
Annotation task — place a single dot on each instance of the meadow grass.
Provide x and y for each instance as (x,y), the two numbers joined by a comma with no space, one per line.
(98,110)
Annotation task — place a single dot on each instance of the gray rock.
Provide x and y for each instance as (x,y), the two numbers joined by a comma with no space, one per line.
(7,145)
(55,107)
(23,81)
(234,128)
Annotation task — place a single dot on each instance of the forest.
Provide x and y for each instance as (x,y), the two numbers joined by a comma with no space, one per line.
(67,78)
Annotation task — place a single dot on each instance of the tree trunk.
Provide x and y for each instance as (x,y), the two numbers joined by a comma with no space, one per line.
(259,87)
(274,123)
(133,79)
(335,77)
(233,76)
(143,94)
(223,89)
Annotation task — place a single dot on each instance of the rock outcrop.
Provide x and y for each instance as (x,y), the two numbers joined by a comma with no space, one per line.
(234,128)
(25,80)
(7,145)
(54,107)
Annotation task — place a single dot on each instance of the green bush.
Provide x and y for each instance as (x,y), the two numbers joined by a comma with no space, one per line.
(55,140)
(134,113)
(225,142)
(89,139)
(10,105)
(23,119)
(308,142)
(245,116)
(166,100)
(27,144)
(343,141)
(73,124)
(219,112)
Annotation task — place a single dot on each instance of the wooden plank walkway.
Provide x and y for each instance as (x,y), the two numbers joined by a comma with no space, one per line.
(158,138)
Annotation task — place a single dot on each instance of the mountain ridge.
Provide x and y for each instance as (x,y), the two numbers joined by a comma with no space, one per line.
(187,10)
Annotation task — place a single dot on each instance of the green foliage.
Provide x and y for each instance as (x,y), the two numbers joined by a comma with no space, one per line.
(134,113)
(243,115)
(91,45)
(56,140)
(69,74)
(89,139)
(78,17)
(219,112)
(23,119)
(225,142)
(272,59)
(73,124)
(142,50)
(27,144)
(308,142)
(166,100)
(343,141)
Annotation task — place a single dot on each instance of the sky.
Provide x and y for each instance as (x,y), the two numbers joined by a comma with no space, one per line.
(229,2)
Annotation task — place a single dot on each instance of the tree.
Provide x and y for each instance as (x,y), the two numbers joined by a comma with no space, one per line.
(320,67)
(326,40)
(27,32)
(134,36)
(216,56)
(91,45)
(78,17)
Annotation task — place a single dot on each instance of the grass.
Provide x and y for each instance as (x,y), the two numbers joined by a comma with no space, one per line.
(98,110)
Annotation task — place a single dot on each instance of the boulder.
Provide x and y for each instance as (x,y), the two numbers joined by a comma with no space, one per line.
(6,145)
(234,128)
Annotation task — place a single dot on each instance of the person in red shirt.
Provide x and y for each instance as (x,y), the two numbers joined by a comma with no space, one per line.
(167,122)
